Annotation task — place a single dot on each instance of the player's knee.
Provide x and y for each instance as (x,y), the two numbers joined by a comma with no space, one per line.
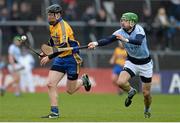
(50,85)
(114,82)
(121,81)
(146,94)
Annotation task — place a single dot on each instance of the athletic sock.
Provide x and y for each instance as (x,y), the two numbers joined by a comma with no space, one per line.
(131,90)
(147,109)
(55,109)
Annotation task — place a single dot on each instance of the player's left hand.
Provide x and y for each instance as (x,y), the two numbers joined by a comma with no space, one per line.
(44,60)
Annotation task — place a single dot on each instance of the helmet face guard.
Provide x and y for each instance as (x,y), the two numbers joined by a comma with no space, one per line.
(53,9)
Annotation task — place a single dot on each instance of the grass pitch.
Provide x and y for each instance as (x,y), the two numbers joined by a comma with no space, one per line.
(88,108)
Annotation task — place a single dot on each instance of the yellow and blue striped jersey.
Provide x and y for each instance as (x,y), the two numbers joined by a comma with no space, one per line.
(120,56)
(62,35)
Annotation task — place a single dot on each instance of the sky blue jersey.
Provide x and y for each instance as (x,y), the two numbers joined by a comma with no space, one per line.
(136,51)
(15,52)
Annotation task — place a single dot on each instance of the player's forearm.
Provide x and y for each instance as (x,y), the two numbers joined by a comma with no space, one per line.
(53,55)
(137,41)
(106,41)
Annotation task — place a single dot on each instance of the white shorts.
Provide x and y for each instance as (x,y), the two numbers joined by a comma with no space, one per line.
(145,70)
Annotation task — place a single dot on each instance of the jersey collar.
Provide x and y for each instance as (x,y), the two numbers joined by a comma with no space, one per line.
(59,20)
(131,31)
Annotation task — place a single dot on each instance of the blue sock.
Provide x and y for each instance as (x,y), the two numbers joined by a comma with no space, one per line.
(55,109)
(147,109)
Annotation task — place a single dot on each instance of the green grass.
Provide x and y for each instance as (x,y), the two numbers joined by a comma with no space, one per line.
(88,107)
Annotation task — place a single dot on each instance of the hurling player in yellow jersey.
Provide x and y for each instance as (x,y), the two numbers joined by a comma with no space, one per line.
(68,62)
(118,60)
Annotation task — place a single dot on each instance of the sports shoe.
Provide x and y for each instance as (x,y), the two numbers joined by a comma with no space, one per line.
(147,114)
(86,82)
(51,115)
(128,100)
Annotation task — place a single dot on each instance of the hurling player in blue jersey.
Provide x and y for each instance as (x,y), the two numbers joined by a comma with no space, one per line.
(138,63)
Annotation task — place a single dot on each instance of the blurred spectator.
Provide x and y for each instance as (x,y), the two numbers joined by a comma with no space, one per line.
(175,13)
(21,12)
(89,18)
(109,7)
(14,17)
(101,17)
(25,11)
(161,24)
(147,21)
(27,61)
(175,9)
(2,4)
(147,18)
(15,11)
(9,4)
(71,12)
(4,13)
(171,32)
(25,15)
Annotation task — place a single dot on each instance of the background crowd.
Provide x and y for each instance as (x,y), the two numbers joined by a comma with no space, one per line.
(91,20)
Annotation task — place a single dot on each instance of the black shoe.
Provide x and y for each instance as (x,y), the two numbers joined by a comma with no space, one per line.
(128,100)
(147,114)
(86,82)
(51,115)
(2,91)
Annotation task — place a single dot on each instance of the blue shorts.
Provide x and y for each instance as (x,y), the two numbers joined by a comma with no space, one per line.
(68,64)
(117,69)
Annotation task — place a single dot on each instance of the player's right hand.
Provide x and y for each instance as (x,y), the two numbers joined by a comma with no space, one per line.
(42,54)
(92,45)
(44,60)
(120,37)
